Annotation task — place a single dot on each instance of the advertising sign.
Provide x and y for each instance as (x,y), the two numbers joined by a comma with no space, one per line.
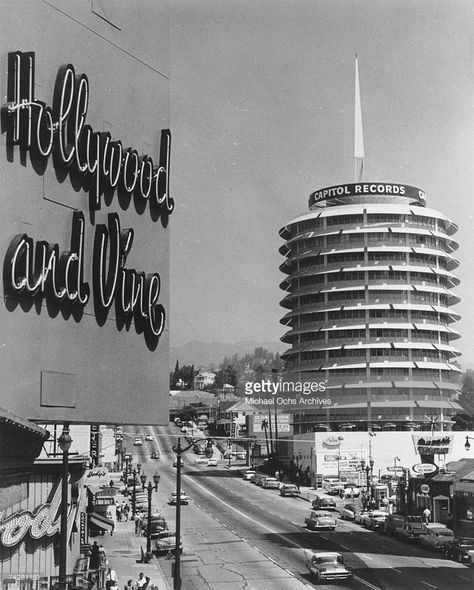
(84,241)
(283,422)
(435,445)
(424,468)
(367,189)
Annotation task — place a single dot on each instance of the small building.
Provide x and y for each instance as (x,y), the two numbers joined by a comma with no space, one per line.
(204,379)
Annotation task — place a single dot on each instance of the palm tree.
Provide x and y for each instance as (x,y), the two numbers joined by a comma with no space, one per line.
(265,427)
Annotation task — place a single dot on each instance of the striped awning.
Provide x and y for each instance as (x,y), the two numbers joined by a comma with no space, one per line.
(100,521)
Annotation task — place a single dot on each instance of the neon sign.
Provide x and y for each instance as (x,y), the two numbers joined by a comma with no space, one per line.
(61,131)
(41,270)
(44,521)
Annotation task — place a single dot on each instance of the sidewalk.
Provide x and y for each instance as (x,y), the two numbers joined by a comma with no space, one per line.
(123,550)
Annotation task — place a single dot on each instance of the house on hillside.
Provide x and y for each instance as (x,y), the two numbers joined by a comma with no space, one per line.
(204,379)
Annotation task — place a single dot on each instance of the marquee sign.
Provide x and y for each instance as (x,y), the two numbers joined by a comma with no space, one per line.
(367,189)
(36,269)
(432,446)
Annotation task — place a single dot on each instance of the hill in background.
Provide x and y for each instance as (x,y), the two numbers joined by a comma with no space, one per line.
(206,354)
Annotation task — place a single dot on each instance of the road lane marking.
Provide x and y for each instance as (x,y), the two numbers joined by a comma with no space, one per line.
(270,530)
(428,584)
(463,578)
(366,556)
(395,570)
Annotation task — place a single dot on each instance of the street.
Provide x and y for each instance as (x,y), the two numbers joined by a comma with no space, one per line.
(235,532)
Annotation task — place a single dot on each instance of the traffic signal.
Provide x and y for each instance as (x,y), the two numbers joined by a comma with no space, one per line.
(208,451)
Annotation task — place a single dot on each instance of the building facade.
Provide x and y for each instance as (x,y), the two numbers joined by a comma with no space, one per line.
(369,282)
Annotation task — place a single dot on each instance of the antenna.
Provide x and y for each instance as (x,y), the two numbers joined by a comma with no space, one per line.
(358,135)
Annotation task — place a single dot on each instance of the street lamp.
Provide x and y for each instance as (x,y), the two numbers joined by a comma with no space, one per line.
(298,458)
(134,497)
(395,459)
(229,452)
(139,468)
(467,446)
(64,442)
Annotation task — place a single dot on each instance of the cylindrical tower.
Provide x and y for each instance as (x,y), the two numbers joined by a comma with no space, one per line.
(369,279)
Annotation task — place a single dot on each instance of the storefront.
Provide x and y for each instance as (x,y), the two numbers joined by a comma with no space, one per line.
(463,499)
(434,493)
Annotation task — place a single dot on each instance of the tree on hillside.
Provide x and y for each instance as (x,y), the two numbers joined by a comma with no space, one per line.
(465,420)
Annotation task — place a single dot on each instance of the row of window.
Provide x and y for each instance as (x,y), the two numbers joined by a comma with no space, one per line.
(373,238)
(358,219)
(377,353)
(388,314)
(374,275)
(376,296)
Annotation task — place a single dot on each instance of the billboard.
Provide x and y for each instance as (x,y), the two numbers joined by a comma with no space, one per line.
(283,422)
(86,211)
(367,189)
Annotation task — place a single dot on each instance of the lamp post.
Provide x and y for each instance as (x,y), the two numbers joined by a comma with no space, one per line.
(179,450)
(139,468)
(64,442)
(395,459)
(134,497)
(298,458)
(229,452)
(467,446)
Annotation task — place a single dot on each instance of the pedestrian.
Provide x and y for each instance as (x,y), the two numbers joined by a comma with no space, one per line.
(138,522)
(450,521)
(126,511)
(110,578)
(118,511)
(129,585)
(94,559)
(102,555)
(427,514)
(122,509)
(141,581)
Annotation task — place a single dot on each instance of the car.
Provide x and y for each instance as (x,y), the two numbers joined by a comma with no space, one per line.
(392,523)
(173,499)
(258,478)
(411,531)
(212,462)
(318,519)
(271,482)
(333,486)
(148,437)
(157,525)
(321,503)
(360,515)
(461,549)
(328,565)
(200,459)
(288,489)
(248,474)
(348,512)
(154,455)
(436,536)
(351,490)
(375,519)
(175,463)
(165,543)
(137,442)
(242,455)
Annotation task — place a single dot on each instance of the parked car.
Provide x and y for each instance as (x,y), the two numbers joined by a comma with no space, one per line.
(137,442)
(271,482)
(258,478)
(201,459)
(360,515)
(173,499)
(461,549)
(321,503)
(320,520)
(332,485)
(248,474)
(392,523)
(175,463)
(325,565)
(157,526)
(348,512)
(166,544)
(212,462)
(242,455)
(148,437)
(411,531)
(436,536)
(375,519)
(351,490)
(288,489)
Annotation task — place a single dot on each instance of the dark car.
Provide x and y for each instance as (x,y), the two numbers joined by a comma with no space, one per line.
(320,503)
(461,549)
(392,523)
(410,531)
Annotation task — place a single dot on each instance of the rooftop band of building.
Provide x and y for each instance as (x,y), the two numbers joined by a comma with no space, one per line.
(369,287)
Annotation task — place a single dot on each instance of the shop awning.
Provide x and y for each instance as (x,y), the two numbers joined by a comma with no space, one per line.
(101,522)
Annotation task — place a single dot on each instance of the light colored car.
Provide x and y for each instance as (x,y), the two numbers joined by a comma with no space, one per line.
(201,459)
(137,442)
(348,512)
(351,490)
(154,455)
(242,455)
(148,437)
(360,515)
(288,489)
(173,499)
(376,519)
(322,503)
(175,463)
(271,482)
(332,485)
(212,462)
(325,565)
(318,519)
(248,474)
(436,536)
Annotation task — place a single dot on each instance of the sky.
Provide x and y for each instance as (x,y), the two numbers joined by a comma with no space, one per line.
(262,115)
